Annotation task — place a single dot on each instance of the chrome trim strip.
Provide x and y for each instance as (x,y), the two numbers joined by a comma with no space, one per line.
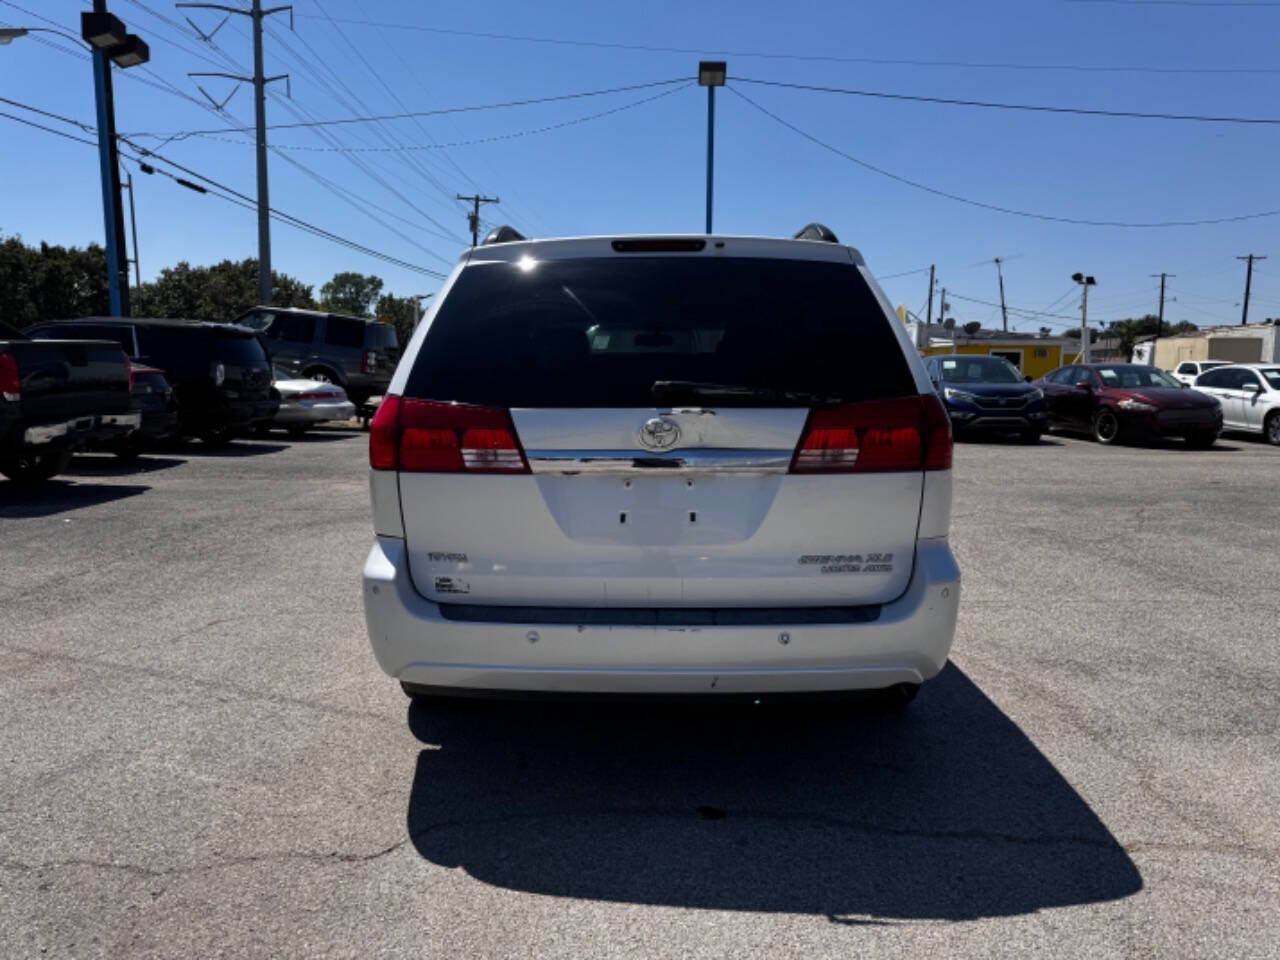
(53,431)
(46,433)
(696,460)
(120,420)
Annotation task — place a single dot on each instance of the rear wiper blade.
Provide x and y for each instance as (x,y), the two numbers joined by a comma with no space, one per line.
(664,391)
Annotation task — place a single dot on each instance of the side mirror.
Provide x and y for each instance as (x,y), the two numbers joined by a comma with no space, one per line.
(1084,385)
(1251,388)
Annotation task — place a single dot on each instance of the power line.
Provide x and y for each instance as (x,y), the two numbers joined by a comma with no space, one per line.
(989,206)
(231,194)
(904,273)
(465,143)
(993,105)
(809,57)
(426,113)
(1183,3)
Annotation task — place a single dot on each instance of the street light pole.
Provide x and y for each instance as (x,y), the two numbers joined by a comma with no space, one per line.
(711,74)
(1086,283)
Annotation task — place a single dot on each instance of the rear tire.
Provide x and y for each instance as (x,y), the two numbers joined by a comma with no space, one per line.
(216,438)
(1271,428)
(128,450)
(897,697)
(33,469)
(1106,426)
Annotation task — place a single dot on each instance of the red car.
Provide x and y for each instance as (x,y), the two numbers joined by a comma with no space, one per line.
(1114,401)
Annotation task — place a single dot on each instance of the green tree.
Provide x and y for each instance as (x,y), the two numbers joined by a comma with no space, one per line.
(220,292)
(350,292)
(50,282)
(972,327)
(400,312)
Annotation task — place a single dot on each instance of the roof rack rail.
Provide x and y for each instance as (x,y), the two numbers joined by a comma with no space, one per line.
(503,234)
(816,231)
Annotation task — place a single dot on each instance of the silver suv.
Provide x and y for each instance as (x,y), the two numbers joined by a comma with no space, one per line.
(661,465)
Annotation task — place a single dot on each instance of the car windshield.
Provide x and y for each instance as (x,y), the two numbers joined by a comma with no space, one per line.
(1127,376)
(1272,376)
(979,370)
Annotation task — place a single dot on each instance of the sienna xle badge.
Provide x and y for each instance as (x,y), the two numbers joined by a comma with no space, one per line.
(674,465)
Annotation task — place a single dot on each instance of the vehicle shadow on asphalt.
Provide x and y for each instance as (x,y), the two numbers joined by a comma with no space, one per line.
(945,811)
(112,466)
(235,448)
(59,496)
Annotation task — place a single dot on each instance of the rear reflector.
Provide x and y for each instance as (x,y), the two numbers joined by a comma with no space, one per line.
(423,436)
(659,245)
(879,436)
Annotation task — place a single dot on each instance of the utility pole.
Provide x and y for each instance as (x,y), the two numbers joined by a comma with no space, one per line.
(133,229)
(473,218)
(259,81)
(1004,310)
(117,264)
(1160,315)
(929,316)
(1086,283)
(1248,282)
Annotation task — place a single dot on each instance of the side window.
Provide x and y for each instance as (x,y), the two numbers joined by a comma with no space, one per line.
(1248,377)
(344,332)
(1211,379)
(1066,376)
(1187,368)
(293,327)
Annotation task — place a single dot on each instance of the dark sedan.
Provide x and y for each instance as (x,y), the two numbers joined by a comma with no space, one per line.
(154,400)
(1115,401)
(986,394)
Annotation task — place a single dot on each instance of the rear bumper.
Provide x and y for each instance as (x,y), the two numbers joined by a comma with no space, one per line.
(907,643)
(315,413)
(80,430)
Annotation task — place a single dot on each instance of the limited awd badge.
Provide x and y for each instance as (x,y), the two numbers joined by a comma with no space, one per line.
(659,433)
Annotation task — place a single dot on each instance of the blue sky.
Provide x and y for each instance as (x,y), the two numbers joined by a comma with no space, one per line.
(642,168)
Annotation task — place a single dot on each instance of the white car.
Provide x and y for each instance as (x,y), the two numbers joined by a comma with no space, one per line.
(705,465)
(304,403)
(1250,397)
(1188,370)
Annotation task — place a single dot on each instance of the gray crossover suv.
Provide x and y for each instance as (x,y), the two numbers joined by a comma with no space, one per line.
(357,354)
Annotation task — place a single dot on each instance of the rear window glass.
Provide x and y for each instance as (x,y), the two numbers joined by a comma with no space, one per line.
(344,332)
(239,350)
(602,332)
(380,336)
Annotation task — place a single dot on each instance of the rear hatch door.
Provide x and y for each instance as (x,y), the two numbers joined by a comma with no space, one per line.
(659,401)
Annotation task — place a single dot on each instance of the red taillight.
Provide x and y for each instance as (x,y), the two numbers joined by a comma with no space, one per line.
(10,382)
(369,361)
(314,395)
(423,436)
(879,436)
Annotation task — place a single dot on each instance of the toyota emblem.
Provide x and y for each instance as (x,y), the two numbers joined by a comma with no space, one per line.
(659,433)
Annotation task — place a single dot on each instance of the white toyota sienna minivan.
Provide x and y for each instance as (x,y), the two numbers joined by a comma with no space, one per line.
(661,465)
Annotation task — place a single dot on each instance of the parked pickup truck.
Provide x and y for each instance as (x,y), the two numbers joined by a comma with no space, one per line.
(57,396)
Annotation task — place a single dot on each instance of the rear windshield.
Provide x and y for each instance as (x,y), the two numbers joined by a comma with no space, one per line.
(380,336)
(602,332)
(243,351)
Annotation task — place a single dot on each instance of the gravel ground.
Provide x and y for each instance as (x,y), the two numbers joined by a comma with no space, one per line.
(200,757)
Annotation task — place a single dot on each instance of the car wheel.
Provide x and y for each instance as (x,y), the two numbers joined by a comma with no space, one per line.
(1106,426)
(128,450)
(216,438)
(298,430)
(1201,441)
(897,697)
(35,468)
(1271,429)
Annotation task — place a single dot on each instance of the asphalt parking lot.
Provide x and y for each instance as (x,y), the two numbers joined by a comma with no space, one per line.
(200,758)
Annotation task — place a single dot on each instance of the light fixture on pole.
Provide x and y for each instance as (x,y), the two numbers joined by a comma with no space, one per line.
(711,74)
(1085,283)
